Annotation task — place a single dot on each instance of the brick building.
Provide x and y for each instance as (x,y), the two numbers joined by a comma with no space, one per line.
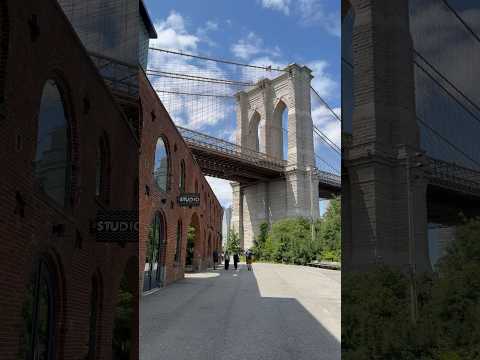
(69,148)
(66,146)
(167,168)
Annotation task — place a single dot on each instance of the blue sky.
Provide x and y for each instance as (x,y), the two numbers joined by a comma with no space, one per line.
(263,32)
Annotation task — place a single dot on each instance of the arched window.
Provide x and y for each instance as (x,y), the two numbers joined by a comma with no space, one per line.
(280,126)
(52,156)
(39,315)
(153,269)
(182,176)
(102,175)
(179,242)
(161,168)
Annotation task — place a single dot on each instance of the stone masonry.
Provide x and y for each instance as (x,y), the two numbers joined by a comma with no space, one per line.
(384,134)
(259,127)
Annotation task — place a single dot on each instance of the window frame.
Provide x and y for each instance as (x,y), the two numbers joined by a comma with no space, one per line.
(69,188)
(169,164)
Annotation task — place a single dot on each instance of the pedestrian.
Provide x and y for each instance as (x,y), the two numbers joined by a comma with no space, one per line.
(249,258)
(227,260)
(215,259)
(236,259)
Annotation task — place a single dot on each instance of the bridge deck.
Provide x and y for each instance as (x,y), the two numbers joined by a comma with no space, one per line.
(230,161)
(454,177)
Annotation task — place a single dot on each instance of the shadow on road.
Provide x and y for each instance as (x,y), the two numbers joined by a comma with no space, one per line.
(222,315)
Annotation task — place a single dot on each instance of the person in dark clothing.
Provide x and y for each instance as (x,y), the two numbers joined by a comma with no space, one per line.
(249,258)
(215,259)
(236,259)
(227,260)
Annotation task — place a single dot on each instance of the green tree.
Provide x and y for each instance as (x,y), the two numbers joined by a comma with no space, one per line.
(376,306)
(260,241)
(233,242)
(328,239)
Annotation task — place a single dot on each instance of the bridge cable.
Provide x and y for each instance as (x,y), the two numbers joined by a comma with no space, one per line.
(471,102)
(469,29)
(193,94)
(327,163)
(327,140)
(180,76)
(435,132)
(326,105)
(267,68)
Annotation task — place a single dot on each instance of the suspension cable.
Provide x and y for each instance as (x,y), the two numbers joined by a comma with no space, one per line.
(267,68)
(326,105)
(469,29)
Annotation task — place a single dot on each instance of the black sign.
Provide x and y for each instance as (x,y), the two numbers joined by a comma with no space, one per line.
(116,226)
(189,200)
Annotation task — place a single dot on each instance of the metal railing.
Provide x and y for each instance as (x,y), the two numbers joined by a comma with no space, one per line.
(232,150)
(329,178)
(454,176)
(119,76)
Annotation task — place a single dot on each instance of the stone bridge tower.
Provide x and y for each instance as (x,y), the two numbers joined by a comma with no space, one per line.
(259,127)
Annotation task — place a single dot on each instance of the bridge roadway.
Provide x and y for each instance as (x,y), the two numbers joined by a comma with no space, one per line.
(229,161)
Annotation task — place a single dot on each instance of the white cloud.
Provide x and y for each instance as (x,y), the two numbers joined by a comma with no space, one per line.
(313,12)
(279,5)
(203,31)
(247,47)
(222,190)
(322,81)
(173,35)
(324,120)
(252,45)
(192,112)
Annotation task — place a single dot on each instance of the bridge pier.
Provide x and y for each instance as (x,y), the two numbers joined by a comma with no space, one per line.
(386,199)
(296,195)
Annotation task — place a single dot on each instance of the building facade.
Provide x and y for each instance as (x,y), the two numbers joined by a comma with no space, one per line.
(173,239)
(66,146)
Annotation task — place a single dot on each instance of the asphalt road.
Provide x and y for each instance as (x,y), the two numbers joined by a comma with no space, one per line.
(276,312)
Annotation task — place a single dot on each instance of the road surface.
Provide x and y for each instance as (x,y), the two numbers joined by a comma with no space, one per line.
(276,312)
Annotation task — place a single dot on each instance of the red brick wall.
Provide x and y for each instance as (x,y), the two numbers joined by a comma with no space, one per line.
(210,217)
(57,52)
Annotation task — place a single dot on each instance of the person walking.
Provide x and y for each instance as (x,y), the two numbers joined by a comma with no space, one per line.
(249,258)
(215,259)
(236,259)
(227,260)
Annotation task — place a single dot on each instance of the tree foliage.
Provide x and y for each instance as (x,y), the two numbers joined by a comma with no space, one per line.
(233,243)
(376,308)
(290,240)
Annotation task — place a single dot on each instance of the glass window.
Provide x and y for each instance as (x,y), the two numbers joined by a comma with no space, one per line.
(182,176)
(52,155)
(161,165)
(38,313)
(153,270)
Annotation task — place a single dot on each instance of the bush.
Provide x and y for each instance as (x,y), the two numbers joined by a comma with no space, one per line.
(376,308)
(290,240)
